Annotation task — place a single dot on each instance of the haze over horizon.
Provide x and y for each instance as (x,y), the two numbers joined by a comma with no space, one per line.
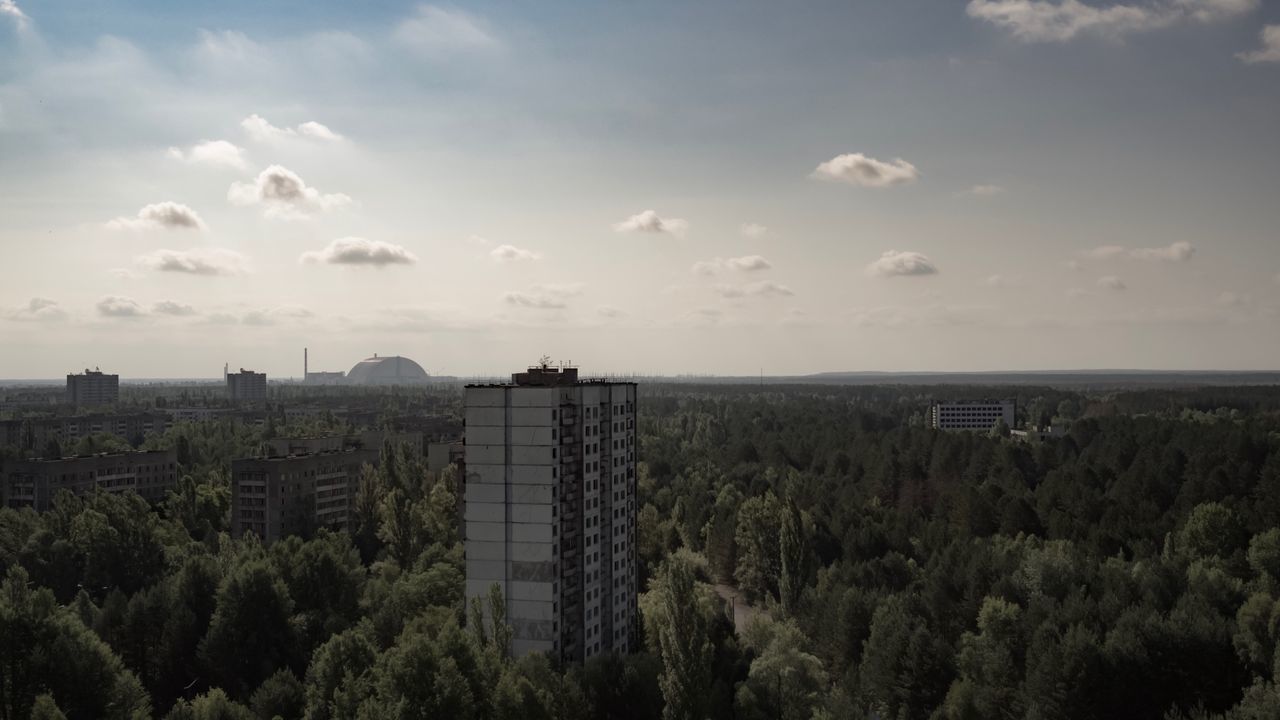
(712,188)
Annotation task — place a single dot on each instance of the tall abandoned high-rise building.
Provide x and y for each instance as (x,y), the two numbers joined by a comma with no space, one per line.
(93,387)
(550,509)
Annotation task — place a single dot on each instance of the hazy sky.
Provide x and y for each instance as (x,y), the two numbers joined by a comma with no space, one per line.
(707,186)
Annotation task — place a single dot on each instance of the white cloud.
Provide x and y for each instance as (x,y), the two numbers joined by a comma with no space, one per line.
(1270,50)
(477,240)
(1001,281)
(271,316)
(746,263)
(608,311)
(762,289)
(893,263)
(261,130)
(284,194)
(11,9)
(313,129)
(437,32)
(753,230)
(1105,252)
(124,274)
(200,261)
(1049,21)
(360,251)
(169,307)
(119,307)
(217,153)
(38,309)
(1175,252)
(933,315)
(858,169)
(986,190)
(648,221)
(1111,282)
(544,297)
(166,215)
(511,253)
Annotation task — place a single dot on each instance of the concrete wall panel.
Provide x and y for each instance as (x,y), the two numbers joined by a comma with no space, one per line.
(480,416)
(485,493)
(486,512)
(530,533)
(487,550)
(490,531)
(486,397)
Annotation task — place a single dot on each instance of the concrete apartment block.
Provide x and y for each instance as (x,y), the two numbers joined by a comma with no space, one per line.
(550,509)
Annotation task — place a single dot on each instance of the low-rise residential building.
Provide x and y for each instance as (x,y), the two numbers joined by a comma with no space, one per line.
(34,483)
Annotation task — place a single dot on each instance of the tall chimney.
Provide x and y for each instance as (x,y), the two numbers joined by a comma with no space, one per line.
(305,371)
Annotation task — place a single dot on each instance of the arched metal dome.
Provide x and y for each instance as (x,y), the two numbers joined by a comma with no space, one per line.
(390,370)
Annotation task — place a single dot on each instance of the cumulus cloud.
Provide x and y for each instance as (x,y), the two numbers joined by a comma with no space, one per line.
(1175,252)
(119,307)
(1270,50)
(746,263)
(175,309)
(38,309)
(434,31)
(1111,282)
(762,289)
(511,253)
(162,215)
(215,153)
(9,8)
(260,129)
(360,251)
(893,263)
(544,297)
(284,194)
(753,230)
(1050,21)
(200,261)
(858,169)
(648,221)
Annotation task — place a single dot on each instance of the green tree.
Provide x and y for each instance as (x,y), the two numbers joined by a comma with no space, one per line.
(683,643)
(250,634)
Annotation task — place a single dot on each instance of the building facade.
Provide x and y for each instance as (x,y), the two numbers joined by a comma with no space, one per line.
(34,483)
(550,494)
(93,387)
(274,497)
(35,433)
(247,386)
(972,415)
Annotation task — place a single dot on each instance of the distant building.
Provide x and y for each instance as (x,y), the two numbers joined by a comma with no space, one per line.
(35,433)
(274,497)
(34,483)
(93,387)
(387,370)
(550,509)
(972,415)
(197,414)
(247,386)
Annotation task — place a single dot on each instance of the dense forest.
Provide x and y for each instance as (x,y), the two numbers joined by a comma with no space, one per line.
(1128,569)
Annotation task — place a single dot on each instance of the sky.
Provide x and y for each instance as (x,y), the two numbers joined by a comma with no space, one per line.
(719,187)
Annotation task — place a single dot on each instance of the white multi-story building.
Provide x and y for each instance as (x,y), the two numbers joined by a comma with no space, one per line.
(550,509)
(93,387)
(972,415)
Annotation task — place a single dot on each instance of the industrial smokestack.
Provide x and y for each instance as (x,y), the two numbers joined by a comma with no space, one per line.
(305,368)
